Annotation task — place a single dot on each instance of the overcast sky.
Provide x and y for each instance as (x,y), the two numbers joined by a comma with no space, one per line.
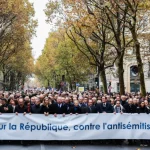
(43,28)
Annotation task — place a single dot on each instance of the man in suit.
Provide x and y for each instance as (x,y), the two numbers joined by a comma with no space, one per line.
(129,107)
(36,108)
(85,102)
(90,108)
(68,104)
(104,107)
(21,108)
(60,108)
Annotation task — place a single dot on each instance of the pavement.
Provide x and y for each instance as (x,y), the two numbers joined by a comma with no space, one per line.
(70,147)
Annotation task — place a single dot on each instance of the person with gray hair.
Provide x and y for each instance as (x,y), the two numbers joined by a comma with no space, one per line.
(130,107)
(36,108)
(118,108)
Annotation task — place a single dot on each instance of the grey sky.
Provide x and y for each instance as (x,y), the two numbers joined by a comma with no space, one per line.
(42,29)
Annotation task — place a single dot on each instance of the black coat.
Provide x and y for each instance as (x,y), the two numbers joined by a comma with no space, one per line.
(142,110)
(68,106)
(10,108)
(123,103)
(44,109)
(21,109)
(108,108)
(90,109)
(36,109)
(75,109)
(130,108)
(59,110)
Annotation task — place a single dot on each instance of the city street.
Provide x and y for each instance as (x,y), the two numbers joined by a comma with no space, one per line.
(70,147)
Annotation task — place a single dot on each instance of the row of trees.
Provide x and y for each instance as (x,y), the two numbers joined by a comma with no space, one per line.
(61,61)
(103,30)
(17,27)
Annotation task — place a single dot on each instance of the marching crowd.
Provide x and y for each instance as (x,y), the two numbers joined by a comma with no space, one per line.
(54,103)
(72,103)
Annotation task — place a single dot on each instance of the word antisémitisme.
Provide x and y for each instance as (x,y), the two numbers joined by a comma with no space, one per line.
(129,126)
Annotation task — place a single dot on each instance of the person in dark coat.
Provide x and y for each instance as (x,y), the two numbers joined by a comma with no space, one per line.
(104,107)
(123,100)
(142,108)
(21,108)
(45,108)
(36,108)
(90,108)
(5,107)
(129,107)
(60,108)
(68,105)
(75,109)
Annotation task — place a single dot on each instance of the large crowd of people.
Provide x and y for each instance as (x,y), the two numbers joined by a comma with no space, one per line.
(54,103)
(40,102)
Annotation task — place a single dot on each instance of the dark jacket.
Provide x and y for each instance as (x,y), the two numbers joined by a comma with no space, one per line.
(44,109)
(75,109)
(36,109)
(68,106)
(142,110)
(21,109)
(101,108)
(130,108)
(10,108)
(89,109)
(123,103)
(59,109)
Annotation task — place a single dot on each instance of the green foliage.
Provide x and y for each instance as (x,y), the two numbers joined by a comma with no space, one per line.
(61,57)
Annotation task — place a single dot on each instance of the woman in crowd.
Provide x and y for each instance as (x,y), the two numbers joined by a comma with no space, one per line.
(142,108)
(45,107)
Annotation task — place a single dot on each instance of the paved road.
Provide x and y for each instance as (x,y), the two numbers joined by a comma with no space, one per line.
(70,147)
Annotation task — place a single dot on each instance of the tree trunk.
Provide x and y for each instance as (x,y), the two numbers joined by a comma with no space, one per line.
(140,69)
(4,81)
(121,75)
(103,80)
(48,84)
(70,82)
(139,61)
(12,81)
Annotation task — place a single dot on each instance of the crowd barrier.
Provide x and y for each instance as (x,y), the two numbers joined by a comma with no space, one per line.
(74,127)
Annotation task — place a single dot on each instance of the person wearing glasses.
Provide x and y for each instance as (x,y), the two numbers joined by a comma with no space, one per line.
(118,108)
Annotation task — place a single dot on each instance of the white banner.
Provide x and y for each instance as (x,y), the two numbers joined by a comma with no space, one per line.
(74,127)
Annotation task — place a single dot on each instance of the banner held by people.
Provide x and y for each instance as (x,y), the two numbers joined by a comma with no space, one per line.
(74,127)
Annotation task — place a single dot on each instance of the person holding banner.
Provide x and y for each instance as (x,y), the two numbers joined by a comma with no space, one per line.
(104,107)
(59,107)
(36,108)
(118,108)
(143,109)
(90,108)
(5,107)
(75,109)
(45,108)
(21,108)
(130,107)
